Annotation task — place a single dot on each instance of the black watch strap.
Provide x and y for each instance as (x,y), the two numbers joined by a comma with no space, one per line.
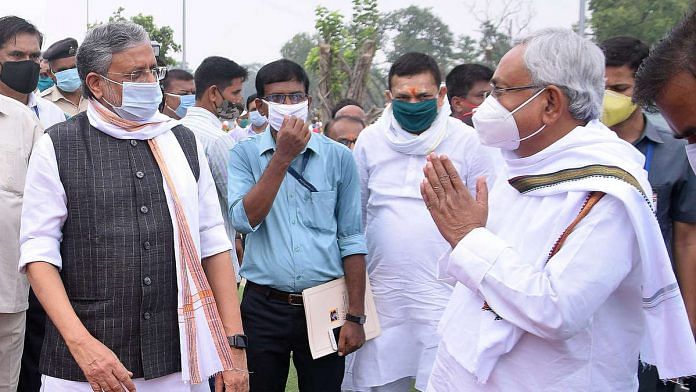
(238,341)
(356,319)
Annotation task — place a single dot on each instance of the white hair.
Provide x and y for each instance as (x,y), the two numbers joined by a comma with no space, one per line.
(562,58)
(101,43)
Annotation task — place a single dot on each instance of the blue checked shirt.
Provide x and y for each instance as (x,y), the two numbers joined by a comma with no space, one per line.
(302,240)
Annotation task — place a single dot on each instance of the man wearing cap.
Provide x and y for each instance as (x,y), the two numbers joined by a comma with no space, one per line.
(66,93)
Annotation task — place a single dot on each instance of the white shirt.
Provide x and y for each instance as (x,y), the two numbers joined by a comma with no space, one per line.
(48,112)
(217,145)
(403,249)
(19,130)
(239,133)
(691,154)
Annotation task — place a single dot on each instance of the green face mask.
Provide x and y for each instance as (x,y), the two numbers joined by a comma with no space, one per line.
(415,117)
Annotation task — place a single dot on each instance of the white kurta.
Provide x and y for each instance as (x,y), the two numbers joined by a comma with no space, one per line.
(403,248)
(45,210)
(579,322)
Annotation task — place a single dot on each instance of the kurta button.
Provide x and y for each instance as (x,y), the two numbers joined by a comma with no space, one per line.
(297,249)
(140,174)
(134,143)
(144,209)
(147,281)
(147,315)
(146,244)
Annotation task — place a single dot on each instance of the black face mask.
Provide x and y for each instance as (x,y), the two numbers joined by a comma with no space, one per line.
(20,76)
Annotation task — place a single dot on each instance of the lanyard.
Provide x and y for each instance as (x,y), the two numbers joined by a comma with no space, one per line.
(36,110)
(649,156)
(299,176)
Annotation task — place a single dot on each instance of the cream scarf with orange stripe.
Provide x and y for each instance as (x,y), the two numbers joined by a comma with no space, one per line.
(204,348)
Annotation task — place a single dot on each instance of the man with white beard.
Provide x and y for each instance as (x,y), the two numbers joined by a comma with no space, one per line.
(565,280)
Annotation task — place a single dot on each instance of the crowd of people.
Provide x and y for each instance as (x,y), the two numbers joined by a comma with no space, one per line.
(528,228)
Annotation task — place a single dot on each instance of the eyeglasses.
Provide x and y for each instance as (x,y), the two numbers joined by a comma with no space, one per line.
(281,98)
(346,142)
(143,74)
(498,91)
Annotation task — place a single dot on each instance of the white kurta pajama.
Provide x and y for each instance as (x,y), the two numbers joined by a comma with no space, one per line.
(404,245)
(579,322)
(45,211)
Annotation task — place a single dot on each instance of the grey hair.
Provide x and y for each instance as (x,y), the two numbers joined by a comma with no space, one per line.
(101,43)
(562,58)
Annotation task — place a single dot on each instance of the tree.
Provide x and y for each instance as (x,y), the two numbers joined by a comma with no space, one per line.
(164,35)
(342,58)
(493,44)
(298,48)
(647,20)
(416,29)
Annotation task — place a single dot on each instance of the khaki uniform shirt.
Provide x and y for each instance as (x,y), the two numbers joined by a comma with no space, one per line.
(19,130)
(54,95)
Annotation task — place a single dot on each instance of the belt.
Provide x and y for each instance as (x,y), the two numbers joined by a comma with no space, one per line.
(294,299)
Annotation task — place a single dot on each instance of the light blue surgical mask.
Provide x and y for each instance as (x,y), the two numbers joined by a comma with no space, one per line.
(257,119)
(185,102)
(68,80)
(139,101)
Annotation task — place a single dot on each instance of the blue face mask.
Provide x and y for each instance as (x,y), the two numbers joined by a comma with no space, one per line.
(45,82)
(139,101)
(185,102)
(257,119)
(68,80)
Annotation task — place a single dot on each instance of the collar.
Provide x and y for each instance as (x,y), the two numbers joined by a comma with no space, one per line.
(650,131)
(205,114)
(266,142)
(54,94)
(33,100)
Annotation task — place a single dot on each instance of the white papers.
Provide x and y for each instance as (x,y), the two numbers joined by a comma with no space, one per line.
(325,309)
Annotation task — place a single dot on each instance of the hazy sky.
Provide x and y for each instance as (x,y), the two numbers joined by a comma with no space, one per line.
(254,31)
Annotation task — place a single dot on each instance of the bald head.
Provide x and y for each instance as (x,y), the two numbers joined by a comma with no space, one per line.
(351,111)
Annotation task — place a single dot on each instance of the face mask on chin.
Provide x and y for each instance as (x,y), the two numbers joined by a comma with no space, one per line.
(278,111)
(139,101)
(496,126)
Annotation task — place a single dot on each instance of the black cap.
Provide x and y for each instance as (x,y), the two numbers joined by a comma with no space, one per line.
(64,48)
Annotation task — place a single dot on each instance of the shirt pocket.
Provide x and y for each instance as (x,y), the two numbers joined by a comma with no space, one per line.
(319,210)
(13,169)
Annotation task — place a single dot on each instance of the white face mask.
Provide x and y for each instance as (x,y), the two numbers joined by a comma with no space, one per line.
(496,126)
(691,154)
(139,101)
(278,111)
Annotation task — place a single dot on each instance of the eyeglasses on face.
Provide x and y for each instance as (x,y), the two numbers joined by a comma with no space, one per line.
(142,75)
(498,91)
(281,98)
(346,142)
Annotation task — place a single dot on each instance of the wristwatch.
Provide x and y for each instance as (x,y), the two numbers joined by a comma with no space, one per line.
(360,320)
(238,341)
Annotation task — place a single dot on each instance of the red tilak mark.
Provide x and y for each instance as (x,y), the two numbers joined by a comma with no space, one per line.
(412,90)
